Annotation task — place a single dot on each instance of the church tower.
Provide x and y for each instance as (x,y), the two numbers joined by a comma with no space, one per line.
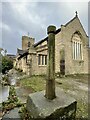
(27,42)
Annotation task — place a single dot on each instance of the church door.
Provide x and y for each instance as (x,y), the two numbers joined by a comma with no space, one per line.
(62,67)
(62,62)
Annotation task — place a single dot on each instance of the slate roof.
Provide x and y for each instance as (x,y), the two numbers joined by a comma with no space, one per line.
(11,55)
(21,52)
(57,31)
(45,39)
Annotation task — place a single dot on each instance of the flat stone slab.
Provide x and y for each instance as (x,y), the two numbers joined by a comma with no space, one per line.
(41,108)
(23,93)
(12,115)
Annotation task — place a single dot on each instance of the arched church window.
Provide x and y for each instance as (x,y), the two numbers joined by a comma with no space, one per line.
(77,47)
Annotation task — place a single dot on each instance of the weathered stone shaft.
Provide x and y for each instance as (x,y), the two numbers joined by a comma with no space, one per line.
(50,83)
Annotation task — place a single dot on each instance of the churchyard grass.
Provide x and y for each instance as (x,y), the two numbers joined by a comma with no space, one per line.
(37,83)
(76,86)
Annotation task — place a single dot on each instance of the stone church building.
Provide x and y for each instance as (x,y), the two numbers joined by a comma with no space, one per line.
(71,51)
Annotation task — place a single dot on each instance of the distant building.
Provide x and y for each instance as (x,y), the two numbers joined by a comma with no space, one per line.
(71,51)
(11,56)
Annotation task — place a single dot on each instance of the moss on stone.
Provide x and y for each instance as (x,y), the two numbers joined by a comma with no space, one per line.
(12,101)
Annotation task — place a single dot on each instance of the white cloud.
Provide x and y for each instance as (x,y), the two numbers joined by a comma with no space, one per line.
(5,27)
(26,15)
(78,6)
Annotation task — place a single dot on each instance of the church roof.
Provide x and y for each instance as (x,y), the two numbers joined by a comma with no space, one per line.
(70,21)
(58,30)
(21,52)
(79,22)
(45,39)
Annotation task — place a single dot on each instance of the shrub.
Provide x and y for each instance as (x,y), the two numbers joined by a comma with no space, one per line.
(7,64)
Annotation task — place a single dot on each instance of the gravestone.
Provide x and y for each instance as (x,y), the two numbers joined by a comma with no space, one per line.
(51,104)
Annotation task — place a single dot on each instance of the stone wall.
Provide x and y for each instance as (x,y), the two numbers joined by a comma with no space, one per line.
(42,50)
(34,64)
(89,60)
(58,47)
(24,66)
(75,66)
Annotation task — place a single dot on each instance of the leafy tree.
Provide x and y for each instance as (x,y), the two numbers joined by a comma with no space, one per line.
(7,64)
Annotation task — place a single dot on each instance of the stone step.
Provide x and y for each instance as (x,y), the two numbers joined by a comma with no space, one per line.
(12,115)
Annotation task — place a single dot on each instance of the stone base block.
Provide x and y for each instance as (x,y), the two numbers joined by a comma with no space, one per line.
(63,107)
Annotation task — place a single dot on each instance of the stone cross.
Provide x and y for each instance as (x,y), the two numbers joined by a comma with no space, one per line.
(76,13)
(50,83)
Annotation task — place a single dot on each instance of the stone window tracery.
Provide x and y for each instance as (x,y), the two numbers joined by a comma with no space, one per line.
(77,53)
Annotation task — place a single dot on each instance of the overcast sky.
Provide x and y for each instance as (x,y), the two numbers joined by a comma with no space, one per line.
(19,18)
